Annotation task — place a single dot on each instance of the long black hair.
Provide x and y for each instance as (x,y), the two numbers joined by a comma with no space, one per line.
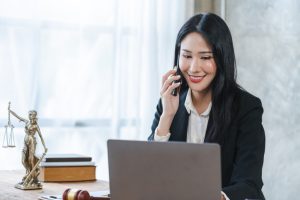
(224,86)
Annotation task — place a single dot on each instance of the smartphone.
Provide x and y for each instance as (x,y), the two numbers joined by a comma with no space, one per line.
(176,90)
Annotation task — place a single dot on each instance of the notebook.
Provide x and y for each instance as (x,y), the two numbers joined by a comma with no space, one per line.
(142,170)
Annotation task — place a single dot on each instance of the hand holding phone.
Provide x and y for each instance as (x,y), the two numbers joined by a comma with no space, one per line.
(176,90)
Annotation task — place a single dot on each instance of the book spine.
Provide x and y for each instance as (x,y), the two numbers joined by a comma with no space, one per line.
(59,164)
(79,159)
(61,174)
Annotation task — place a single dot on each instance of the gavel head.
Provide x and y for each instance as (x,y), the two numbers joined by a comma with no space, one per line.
(75,194)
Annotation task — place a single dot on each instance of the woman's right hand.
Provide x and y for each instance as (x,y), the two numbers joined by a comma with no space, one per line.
(170,103)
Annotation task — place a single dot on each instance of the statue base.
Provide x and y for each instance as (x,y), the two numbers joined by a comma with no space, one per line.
(33,186)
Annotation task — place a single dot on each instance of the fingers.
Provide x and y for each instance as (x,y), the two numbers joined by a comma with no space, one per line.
(172,87)
(168,82)
(168,88)
(166,75)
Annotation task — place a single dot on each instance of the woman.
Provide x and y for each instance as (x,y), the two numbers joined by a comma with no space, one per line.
(211,107)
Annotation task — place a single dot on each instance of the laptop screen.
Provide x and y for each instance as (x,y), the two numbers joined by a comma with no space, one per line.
(141,170)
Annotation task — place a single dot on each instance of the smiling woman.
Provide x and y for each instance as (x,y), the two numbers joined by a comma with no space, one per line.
(211,107)
(198,67)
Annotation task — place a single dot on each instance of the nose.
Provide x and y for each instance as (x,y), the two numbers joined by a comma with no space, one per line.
(195,65)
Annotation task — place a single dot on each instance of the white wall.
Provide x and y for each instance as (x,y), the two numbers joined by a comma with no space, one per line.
(266,38)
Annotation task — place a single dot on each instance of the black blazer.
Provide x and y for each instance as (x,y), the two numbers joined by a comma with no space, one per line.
(242,151)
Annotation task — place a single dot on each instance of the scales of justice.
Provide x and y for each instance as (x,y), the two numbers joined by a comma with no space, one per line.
(29,159)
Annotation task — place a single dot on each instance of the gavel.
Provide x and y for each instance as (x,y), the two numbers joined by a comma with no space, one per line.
(75,194)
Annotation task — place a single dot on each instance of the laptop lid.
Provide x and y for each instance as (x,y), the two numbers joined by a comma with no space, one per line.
(141,170)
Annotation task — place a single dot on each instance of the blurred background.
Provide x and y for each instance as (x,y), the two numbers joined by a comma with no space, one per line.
(92,70)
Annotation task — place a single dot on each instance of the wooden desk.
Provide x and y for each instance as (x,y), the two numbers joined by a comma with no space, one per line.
(8,179)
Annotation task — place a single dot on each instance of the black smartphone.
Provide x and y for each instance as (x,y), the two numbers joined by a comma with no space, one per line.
(176,90)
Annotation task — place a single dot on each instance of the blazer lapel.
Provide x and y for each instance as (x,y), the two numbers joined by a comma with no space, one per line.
(209,131)
(180,122)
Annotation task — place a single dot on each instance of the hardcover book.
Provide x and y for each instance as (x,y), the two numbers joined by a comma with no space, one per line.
(67,173)
(61,164)
(66,158)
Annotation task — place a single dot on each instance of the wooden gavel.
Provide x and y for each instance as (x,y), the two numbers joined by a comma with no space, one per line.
(75,194)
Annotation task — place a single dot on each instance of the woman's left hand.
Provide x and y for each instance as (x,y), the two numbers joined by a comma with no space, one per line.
(222,197)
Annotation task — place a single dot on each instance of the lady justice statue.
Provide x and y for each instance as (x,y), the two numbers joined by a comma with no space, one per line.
(29,160)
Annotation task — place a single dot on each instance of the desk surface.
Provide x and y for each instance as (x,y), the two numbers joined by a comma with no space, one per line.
(8,179)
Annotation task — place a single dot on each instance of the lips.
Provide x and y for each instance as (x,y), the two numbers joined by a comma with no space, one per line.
(196,79)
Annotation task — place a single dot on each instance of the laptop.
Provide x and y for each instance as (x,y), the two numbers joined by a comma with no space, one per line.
(142,170)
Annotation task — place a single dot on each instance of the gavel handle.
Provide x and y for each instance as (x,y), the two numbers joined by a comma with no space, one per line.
(100,198)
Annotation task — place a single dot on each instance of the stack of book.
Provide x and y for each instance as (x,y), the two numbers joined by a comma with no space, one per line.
(67,167)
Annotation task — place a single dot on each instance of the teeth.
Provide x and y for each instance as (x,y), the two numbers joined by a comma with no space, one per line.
(197,77)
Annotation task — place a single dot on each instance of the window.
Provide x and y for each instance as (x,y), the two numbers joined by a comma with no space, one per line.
(91,68)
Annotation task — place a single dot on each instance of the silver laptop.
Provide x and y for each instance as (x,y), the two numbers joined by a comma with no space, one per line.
(140,170)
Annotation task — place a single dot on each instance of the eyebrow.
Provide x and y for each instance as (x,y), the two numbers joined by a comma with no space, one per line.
(200,52)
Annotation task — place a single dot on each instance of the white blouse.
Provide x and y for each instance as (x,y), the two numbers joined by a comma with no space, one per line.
(197,125)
